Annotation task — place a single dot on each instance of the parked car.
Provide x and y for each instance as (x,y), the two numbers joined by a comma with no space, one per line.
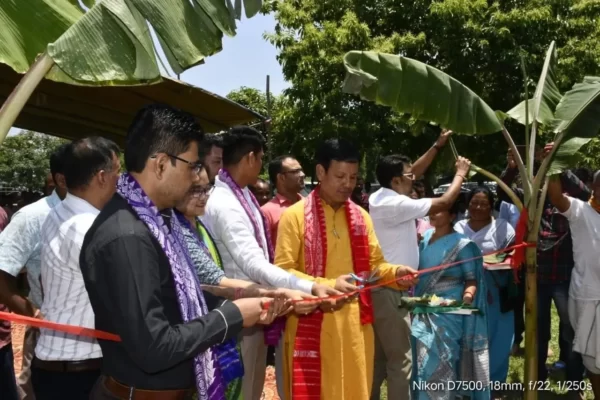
(465,188)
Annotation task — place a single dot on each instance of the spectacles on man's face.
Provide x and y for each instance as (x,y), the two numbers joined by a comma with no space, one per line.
(196,167)
(409,175)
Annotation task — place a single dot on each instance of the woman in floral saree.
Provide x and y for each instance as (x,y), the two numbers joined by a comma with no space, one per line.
(450,348)
(209,269)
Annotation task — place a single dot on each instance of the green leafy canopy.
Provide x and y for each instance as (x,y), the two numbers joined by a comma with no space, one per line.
(111,43)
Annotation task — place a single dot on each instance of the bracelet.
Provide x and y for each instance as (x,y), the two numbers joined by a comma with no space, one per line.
(238,293)
(437,147)
(462,176)
(468,293)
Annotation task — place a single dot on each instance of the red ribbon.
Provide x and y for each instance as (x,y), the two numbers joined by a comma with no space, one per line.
(97,334)
(71,329)
(519,257)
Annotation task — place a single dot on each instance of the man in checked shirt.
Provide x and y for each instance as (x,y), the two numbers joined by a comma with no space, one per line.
(555,263)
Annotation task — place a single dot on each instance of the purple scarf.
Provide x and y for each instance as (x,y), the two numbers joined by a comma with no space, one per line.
(273,331)
(226,178)
(209,381)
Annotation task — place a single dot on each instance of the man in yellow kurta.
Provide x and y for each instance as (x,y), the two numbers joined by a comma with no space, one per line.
(325,237)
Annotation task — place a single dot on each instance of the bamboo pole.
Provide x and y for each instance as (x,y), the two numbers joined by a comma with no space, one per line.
(22,92)
(531,342)
(519,161)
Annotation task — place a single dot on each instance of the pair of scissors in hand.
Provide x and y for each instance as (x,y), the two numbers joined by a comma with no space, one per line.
(369,280)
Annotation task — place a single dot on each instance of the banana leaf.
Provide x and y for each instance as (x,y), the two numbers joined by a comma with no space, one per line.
(546,98)
(465,310)
(410,86)
(111,44)
(579,109)
(566,155)
(420,305)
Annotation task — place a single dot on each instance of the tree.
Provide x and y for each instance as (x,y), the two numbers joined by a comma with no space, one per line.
(110,43)
(24,159)
(251,98)
(478,42)
(398,82)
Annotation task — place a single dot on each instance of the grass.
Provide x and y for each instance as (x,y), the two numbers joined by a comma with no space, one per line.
(516,370)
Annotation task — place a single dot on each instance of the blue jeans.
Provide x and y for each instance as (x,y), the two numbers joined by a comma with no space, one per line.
(559,293)
(8,383)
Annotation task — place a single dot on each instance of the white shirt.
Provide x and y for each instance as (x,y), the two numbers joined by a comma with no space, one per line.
(234,237)
(394,219)
(20,243)
(584,222)
(66,300)
(509,212)
(493,237)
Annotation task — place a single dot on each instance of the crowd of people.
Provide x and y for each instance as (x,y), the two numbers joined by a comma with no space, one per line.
(199,269)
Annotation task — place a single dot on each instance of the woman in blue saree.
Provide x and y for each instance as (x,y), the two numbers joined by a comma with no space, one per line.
(450,348)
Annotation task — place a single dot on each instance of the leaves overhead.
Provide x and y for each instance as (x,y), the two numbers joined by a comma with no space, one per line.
(579,109)
(410,86)
(566,155)
(546,97)
(111,43)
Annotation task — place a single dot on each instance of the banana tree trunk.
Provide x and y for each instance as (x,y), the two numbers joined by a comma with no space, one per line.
(531,336)
(531,343)
(18,98)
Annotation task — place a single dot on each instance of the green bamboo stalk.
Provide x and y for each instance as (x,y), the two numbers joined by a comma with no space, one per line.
(540,205)
(519,161)
(22,92)
(515,199)
(528,160)
(543,171)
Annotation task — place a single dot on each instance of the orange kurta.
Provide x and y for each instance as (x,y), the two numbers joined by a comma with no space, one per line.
(347,347)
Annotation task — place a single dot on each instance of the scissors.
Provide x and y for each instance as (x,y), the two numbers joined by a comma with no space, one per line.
(370,279)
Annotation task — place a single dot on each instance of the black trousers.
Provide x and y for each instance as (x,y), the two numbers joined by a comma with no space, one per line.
(51,385)
(8,383)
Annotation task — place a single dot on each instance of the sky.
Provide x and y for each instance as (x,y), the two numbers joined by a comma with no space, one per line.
(246,60)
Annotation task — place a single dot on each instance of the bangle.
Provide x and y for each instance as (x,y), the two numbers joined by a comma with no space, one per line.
(462,176)
(437,146)
(468,293)
(238,293)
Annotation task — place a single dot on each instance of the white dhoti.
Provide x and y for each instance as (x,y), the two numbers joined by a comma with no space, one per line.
(584,316)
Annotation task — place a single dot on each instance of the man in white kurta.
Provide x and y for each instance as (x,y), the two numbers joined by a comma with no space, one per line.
(584,292)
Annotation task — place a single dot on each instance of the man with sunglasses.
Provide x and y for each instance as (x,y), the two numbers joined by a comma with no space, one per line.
(394,216)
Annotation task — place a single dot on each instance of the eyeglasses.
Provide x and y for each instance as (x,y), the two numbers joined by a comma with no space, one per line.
(200,191)
(196,167)
(409,175)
